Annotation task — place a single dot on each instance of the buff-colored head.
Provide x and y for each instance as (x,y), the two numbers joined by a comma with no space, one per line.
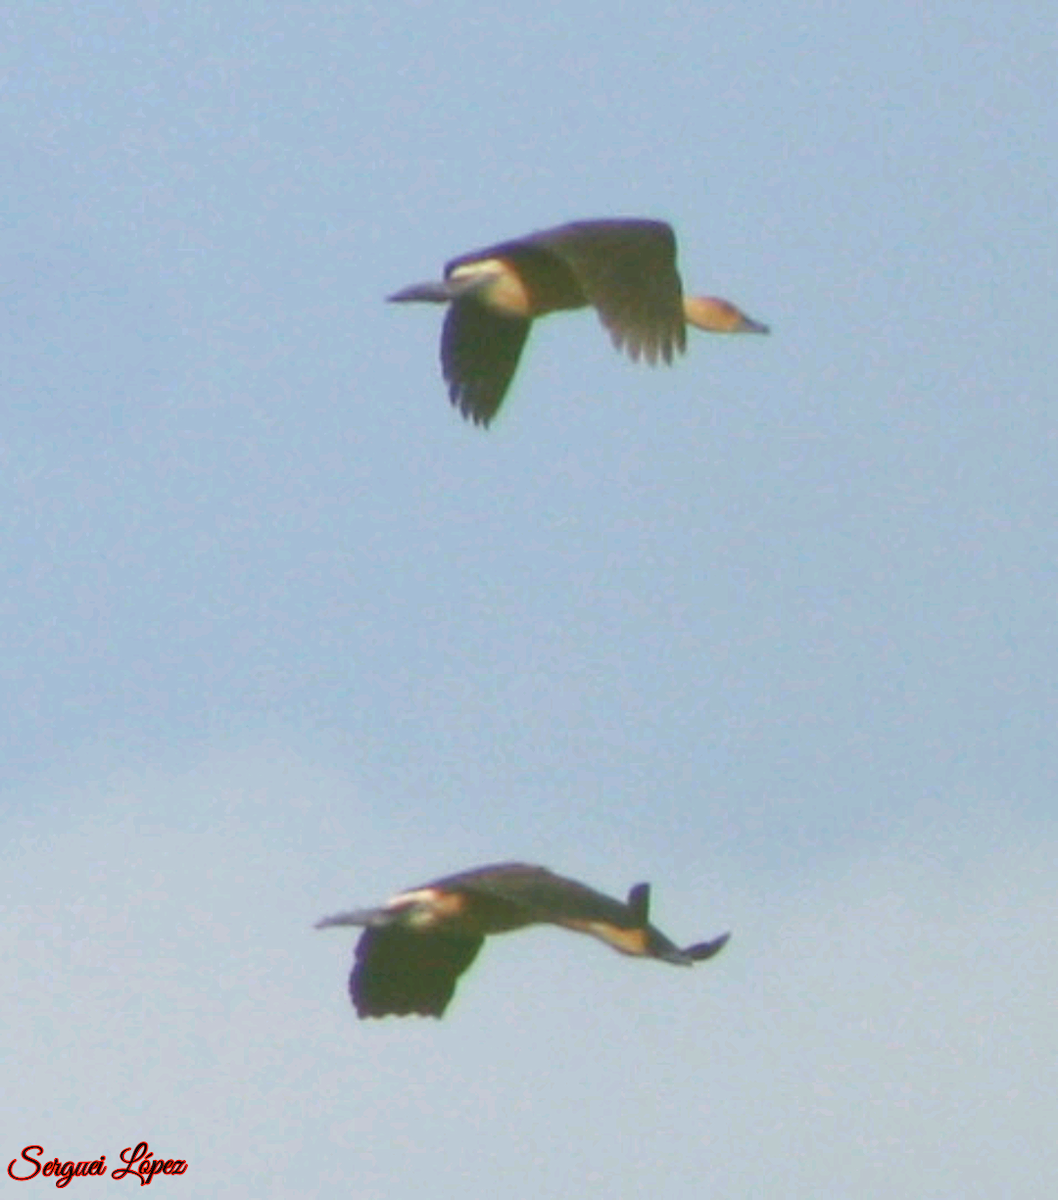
(718,316)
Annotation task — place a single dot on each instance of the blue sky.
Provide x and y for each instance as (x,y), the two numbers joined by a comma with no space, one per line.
(774,629)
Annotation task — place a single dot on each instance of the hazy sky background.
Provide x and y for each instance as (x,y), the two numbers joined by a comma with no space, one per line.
(774,629)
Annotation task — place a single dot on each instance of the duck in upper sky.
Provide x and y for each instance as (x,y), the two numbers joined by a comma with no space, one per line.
(625,268)
(415,947)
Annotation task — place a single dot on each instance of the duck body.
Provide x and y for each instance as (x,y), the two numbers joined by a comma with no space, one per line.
(623,267)
(415,946)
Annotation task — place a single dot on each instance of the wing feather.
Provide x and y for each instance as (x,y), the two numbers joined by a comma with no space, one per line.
(480,349)
(627,270)
(402,971)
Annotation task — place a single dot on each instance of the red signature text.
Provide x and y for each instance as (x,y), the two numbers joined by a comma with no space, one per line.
(138,1160)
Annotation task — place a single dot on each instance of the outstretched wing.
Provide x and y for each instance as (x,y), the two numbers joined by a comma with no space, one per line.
(626,268)
(402,971)
(480,349)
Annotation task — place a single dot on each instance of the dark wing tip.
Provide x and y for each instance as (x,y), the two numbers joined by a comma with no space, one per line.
(369,1009)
